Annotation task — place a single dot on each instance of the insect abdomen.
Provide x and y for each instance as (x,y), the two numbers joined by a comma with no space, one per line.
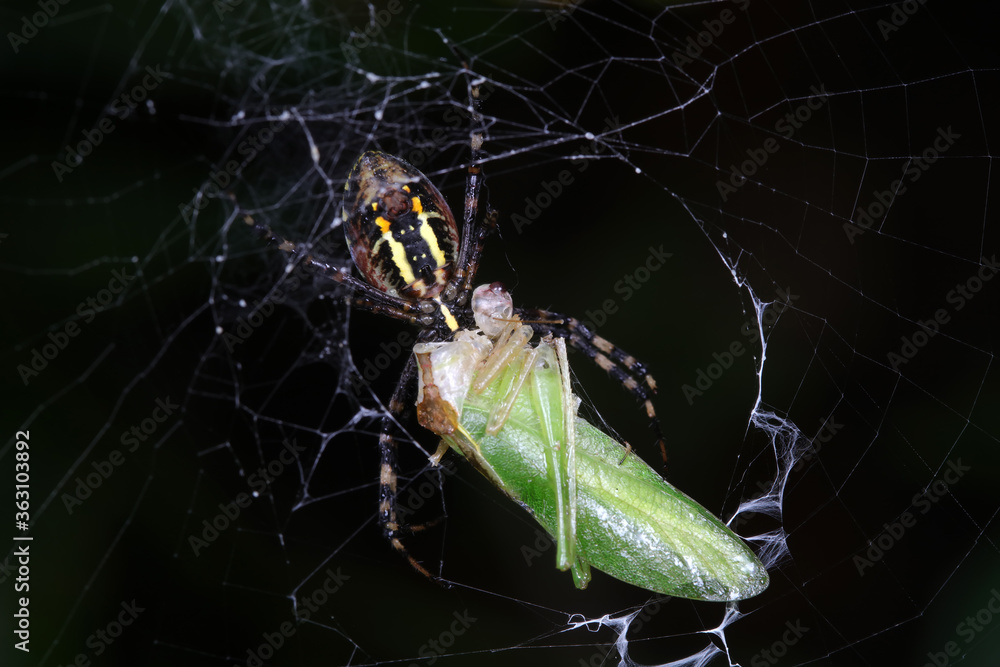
(630,523)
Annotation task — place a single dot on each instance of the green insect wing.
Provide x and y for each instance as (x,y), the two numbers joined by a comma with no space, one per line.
(515,421)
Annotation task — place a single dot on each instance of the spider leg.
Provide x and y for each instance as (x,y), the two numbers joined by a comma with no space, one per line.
(321,266)
(388,476)
(620,365)
(473,237)
(366,297)
(467,274)
(405,313)
(474,232)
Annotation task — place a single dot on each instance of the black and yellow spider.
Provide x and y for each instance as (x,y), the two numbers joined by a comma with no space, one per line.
(405,242)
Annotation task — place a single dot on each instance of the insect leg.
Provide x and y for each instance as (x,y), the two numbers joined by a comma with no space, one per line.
(556,414)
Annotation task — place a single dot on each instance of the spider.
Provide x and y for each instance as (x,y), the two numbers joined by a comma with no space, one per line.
(417,268)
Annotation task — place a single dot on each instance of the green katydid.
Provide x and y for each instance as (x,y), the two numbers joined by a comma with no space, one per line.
(508,408)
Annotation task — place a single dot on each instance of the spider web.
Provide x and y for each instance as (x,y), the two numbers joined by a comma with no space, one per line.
(782,208)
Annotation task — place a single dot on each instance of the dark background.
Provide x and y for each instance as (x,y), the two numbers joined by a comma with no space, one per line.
(554,78)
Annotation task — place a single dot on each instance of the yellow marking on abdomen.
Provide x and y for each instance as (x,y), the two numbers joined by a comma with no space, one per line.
(427,234)
(398,252)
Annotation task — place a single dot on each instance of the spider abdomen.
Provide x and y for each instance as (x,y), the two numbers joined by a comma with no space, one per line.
(400,230)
